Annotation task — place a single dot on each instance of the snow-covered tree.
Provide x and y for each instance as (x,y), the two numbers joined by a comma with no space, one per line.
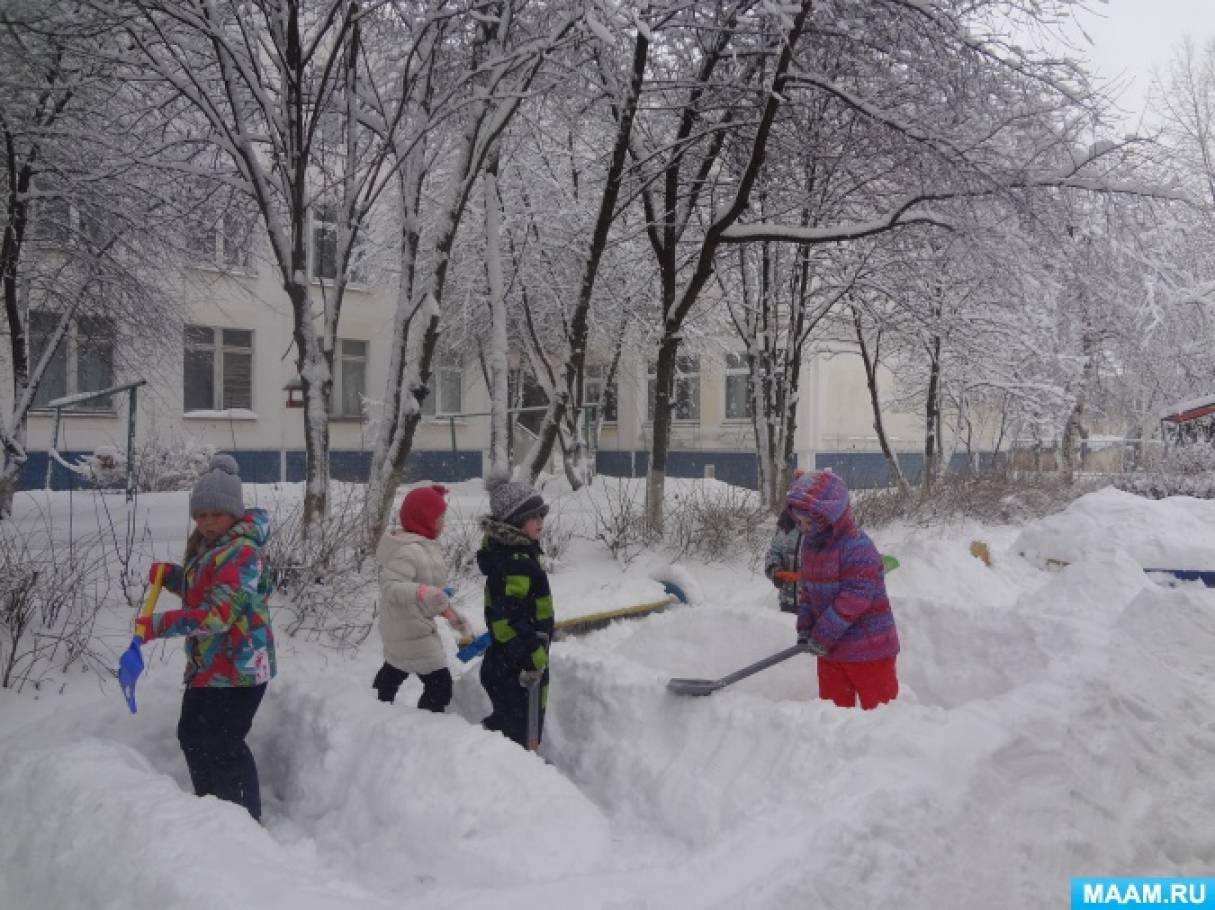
(484,65)
(299,116)
(83,216)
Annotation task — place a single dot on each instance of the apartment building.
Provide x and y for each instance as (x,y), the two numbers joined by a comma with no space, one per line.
(227,378)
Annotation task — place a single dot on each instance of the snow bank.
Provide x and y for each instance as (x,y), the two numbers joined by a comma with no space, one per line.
(1175,533)
(1050,724)
(405,797)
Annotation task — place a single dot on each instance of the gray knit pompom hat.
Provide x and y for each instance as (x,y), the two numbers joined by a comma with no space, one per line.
(218,490)
(513,502)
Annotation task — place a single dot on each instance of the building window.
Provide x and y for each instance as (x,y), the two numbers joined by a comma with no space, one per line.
(218,369)
(325,247)
(446,389)
(686,393)
(324,241)
(223,241)
(349,378)
(55,221)
(82,362)
(740,404)
(595,392)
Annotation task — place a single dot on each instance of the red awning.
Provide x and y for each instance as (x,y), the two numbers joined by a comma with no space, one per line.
(1191,414)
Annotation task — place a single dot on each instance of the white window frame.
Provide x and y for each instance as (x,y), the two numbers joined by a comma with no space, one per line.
(736,368)
(64,229)
(435,406)
(340,358)
(71,363)
(593,389)
(219,348)
(683,375)
(226,244)
(329,225)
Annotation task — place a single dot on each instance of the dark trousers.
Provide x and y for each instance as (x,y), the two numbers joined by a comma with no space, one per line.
(436,687)
(509,700)
(212,730)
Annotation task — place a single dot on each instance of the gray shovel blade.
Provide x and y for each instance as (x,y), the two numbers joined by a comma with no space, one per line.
(709,686)
(693,686)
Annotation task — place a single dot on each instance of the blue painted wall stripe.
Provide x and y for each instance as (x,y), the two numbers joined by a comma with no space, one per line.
(265,466)
(860,470)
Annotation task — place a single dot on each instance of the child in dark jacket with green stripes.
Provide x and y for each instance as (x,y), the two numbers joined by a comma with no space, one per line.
(518,606)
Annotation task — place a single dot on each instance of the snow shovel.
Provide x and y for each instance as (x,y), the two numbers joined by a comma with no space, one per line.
(533,715)
(130,665)
(709,686)
(588,623)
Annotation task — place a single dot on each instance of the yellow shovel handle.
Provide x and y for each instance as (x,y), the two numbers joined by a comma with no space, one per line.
(150,604)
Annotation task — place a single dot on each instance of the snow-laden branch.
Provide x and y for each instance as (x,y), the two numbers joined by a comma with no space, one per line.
(907,211)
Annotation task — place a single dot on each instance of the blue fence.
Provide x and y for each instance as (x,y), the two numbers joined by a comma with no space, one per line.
(860,470)
(267,466)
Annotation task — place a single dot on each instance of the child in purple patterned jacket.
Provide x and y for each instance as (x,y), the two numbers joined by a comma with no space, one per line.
(844,616)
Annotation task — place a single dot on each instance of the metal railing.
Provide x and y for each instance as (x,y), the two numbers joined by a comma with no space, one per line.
(67,401)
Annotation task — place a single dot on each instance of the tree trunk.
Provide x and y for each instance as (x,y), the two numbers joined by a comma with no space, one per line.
(702,269)
(660,444)
(575,357)
(932,414)
(871,361)
(315,366)
(499,443)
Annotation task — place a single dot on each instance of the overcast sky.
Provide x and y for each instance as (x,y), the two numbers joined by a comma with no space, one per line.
(1131,37)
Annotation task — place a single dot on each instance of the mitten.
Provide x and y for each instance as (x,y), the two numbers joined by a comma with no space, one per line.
(143,627)
(433,599)
(458,622)
(529,678)
(805,641)
(172,578)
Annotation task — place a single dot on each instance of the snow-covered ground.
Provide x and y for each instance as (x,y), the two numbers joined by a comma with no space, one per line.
(1054,721)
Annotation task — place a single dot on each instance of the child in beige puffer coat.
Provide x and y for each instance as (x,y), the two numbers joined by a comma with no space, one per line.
(412,575)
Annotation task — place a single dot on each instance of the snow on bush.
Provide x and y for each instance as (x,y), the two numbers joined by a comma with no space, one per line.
(1184,471)
(106,468)
(172,463)
(50,595)
(712,520)
(619,518)
(987,497)
(328,591)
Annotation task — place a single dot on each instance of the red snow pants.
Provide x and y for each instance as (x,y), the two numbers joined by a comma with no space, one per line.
(842,682)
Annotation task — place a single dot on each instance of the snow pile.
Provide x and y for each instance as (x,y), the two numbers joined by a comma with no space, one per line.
(1177,533)
(1051,723)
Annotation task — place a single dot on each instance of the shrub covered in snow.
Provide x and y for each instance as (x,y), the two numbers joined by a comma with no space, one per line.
(619,518)
(712,520)
(1185,470)
(50,594)
(169,463)
(986,497)
(328,591)
(106,468)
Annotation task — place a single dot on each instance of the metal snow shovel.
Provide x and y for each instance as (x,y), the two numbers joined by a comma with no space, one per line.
(709,686)
(533,714)
(130,665)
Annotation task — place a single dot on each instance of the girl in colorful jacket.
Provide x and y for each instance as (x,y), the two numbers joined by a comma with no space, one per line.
(844,616)
(229,641)
(518,606)
(413,573)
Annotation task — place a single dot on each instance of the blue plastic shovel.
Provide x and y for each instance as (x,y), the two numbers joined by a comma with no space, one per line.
(130,665)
